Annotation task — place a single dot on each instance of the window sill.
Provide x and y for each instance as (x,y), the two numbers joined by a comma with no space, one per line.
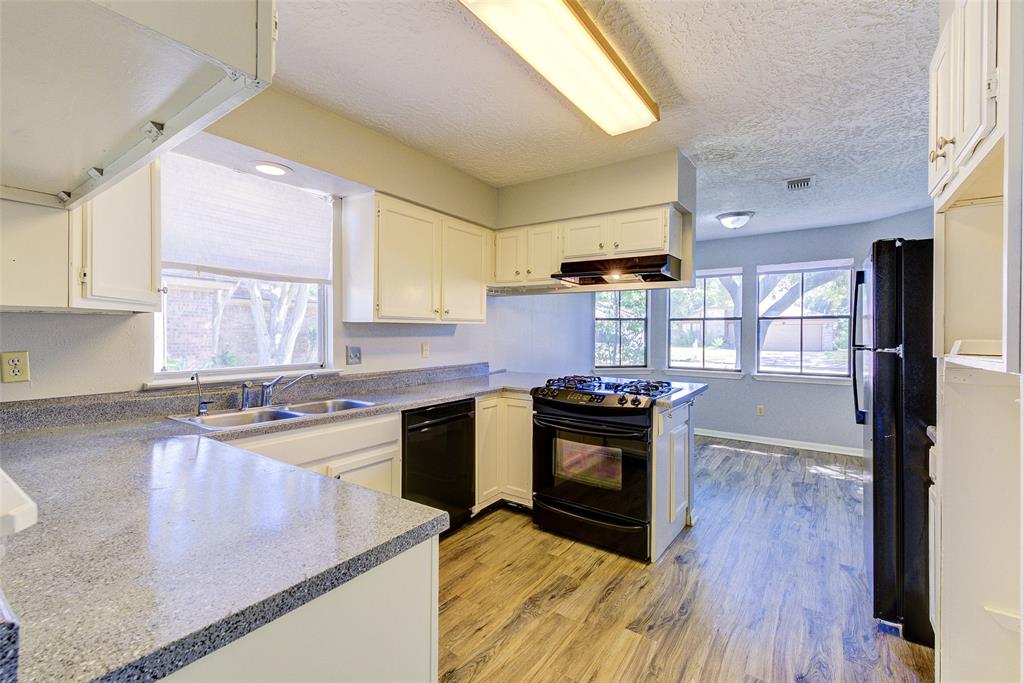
(709,374)
(212,379)
(801,379)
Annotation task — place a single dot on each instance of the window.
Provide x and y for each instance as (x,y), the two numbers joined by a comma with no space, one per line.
(704,322)
(803,318)
(620,329)
(247,267)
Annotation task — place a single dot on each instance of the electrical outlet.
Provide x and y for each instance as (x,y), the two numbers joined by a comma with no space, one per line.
(760,410)
(424,349)
(353,355)
(15,366)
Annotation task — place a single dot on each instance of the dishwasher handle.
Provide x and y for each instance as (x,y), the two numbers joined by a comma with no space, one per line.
(424,426)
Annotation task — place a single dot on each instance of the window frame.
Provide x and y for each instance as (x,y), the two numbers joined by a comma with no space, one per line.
(796,268)
(647,330)
(704,275)
(324,307)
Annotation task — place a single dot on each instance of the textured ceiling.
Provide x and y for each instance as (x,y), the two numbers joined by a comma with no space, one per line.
(753,92)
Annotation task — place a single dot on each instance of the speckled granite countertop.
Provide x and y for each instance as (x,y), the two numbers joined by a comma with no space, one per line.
(395,400)
(156,546)
(157,543)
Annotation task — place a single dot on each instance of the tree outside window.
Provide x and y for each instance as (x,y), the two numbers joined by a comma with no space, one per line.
(620,329)
(705,323)
(804,320)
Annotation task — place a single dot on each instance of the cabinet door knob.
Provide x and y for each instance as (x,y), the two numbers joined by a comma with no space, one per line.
(446,311)
(437,311)
(600,245)
(517,272)
(528,271)
(933,155)
(162,290)
(616,245)
(942,142)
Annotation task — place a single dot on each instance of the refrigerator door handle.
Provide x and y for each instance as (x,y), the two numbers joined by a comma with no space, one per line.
(859,415)
(898,350)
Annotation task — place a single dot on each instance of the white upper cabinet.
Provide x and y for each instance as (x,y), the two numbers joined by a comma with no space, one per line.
(542,252)
(464,252)
(585,238)
(940,114)
(974,31)
(965,84)
(640,232)
(509,256)
(143,77)
(115,246)
(33,257)
(527,256)
(405,263)
(102,256)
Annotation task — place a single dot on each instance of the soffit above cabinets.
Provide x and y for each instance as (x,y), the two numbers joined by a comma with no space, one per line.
(82,82)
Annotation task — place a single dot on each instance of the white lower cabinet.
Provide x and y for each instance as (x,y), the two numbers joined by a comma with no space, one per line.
(488,447)
(672,497)
(367,452)
(504,450)
(380,626)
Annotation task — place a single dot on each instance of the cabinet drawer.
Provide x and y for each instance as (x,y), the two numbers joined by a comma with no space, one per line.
(302,446)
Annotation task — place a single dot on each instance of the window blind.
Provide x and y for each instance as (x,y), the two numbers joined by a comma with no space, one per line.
(219,220)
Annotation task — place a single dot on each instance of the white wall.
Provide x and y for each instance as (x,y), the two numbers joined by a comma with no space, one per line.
(78,353)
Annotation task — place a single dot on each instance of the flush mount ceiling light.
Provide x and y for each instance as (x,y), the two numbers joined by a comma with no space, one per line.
(270,168)
(560,40)
(734,219)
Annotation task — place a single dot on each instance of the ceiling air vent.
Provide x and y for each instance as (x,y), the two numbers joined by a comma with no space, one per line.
(804,183)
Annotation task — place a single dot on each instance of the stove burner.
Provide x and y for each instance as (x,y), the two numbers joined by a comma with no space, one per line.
(575,382)
(645,388)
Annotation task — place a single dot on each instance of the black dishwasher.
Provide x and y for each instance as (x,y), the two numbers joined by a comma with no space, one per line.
(439,458)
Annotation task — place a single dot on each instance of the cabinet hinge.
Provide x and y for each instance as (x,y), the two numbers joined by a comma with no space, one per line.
(992,85)
(83,277)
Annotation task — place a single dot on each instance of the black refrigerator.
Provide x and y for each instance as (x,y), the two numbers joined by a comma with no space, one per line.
(893,363)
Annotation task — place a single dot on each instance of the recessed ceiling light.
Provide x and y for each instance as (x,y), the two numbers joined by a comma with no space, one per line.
(560,40)
(734,219)
(271,168)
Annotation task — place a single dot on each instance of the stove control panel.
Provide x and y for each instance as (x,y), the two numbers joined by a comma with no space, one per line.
(612,400)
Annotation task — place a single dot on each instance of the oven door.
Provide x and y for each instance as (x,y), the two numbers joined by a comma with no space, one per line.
(593,465)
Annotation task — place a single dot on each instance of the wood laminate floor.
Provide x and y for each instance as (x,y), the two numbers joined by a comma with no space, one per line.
(768,586)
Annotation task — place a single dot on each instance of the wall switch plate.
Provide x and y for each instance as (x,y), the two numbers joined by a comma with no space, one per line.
(424,349)
(760,410)
(14,366)
(353,355)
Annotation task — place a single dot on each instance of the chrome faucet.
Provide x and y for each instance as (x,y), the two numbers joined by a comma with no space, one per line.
(267,388)
(201,406)
(246,395)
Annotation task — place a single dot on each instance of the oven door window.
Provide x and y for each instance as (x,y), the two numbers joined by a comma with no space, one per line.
(607,473)
(588,464)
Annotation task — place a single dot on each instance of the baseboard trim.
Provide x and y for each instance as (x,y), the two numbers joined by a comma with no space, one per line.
(772,441)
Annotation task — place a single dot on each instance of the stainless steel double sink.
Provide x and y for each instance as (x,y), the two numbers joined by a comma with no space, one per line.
(225,419)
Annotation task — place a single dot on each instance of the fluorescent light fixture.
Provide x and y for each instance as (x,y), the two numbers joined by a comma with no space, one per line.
(271,168)
(560,40)
(734,219)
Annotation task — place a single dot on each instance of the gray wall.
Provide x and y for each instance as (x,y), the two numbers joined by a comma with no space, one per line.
(804,412)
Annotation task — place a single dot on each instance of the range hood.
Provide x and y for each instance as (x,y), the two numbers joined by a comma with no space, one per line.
(612,271)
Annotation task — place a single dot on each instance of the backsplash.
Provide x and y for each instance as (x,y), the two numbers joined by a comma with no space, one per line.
(19,416)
